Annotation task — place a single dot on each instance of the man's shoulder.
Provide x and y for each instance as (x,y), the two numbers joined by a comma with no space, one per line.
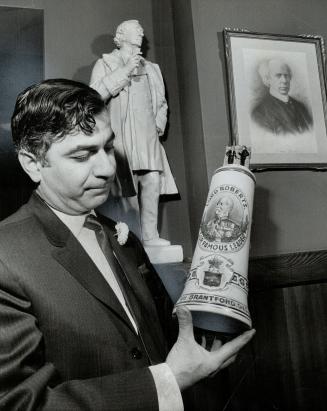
(21,216)
(19,231)
(152,68)
(151,63)
(304,114)
(112,57)
(261,102)
(297,103)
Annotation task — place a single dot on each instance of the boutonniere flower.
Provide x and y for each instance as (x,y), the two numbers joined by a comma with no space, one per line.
(121,232)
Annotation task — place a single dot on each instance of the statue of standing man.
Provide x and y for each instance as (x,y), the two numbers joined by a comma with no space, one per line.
(135,94)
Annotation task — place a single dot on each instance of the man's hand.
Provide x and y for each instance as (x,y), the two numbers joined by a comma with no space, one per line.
(190,362)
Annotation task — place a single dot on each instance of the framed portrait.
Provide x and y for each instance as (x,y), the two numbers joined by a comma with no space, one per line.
(277,98)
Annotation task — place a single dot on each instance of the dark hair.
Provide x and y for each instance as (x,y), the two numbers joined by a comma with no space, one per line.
(50,110)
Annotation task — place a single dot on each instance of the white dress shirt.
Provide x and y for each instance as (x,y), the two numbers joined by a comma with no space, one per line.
(169,395)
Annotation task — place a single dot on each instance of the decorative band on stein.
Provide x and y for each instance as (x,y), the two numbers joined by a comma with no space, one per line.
(216,289)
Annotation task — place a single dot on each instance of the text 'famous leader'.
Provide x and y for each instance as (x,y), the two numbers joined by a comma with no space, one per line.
(79,327)
(277,111)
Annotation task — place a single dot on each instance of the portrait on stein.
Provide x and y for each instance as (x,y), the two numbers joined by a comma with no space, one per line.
(226,222)
(224,225)
(277,97)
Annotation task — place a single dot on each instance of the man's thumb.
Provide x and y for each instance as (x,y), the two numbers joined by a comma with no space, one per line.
(185,322)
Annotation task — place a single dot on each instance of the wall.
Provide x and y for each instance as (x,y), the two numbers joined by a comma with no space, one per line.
(290,213)
(76,33)
(191,114)
(165,56)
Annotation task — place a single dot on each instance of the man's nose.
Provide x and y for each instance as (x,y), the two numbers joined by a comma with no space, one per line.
(105,164)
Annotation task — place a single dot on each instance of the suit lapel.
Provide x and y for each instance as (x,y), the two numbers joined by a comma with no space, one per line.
(77,262)
(71,255)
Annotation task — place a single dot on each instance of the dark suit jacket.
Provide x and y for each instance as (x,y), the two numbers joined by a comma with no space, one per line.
(65,341)
(279,117)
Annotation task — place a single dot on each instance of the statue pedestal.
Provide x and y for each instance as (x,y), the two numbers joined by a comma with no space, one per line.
(165,254)
(124,209)
(127,210)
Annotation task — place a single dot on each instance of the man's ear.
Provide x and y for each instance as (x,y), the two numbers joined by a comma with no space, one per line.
(30,164)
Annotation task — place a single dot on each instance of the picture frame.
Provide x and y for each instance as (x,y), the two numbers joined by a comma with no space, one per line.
(277,98)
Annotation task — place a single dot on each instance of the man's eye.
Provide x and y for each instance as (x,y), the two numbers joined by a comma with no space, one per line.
(107,149)
(82,157)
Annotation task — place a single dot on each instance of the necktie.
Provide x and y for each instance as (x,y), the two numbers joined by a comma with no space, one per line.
(92,223)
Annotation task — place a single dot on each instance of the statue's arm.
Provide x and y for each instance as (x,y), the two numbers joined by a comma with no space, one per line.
(162,106)
(108,82)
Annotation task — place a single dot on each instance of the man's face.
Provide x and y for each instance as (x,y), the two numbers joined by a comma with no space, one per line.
(133,34)
(223,207)
(79,169)
(279,78)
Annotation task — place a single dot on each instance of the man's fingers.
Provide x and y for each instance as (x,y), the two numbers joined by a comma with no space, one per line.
(203,341)
(216,345)
(228,362)
(224,365)
(185,323)
(232,347)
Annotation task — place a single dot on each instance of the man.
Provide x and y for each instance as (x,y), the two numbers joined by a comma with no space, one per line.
(79,329)
(134,90)
(221,227)
(277,111)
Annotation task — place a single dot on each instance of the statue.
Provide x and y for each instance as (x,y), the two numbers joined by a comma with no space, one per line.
(134,90)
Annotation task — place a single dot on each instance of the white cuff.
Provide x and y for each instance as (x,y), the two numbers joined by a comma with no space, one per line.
(169,394)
